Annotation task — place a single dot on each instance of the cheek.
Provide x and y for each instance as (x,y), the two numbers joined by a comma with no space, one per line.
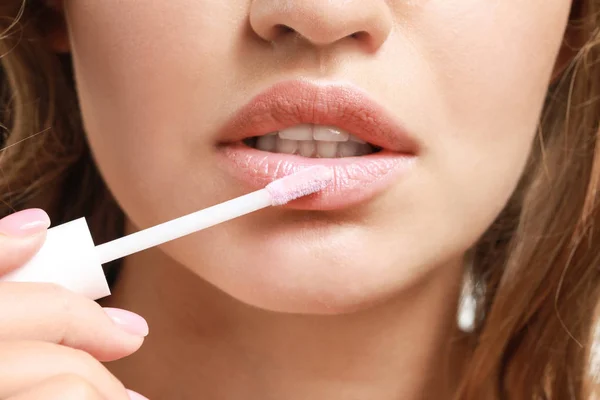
(131,57)
(491,64)
(475,103)
(143,69)
(490,67)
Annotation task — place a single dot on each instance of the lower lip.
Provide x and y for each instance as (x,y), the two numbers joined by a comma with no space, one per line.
(357,179)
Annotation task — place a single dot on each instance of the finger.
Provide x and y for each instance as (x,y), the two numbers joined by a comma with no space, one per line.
(66,387)
(61,387)
(27,364)
(50,313)
(21,236)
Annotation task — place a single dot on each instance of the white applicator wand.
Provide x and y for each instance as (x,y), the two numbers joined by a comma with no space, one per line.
(70,258)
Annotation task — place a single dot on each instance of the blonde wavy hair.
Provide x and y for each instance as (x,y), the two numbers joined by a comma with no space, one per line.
(536,270)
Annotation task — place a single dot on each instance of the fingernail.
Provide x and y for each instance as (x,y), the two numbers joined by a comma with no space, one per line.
(135,396)
(25,223)
(128,321)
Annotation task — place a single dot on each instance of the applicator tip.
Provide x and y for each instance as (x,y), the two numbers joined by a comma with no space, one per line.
(302,183)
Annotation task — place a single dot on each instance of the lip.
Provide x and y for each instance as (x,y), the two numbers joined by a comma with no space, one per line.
(357,179)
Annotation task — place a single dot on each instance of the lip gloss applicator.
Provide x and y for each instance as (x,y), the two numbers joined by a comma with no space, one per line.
(70,258)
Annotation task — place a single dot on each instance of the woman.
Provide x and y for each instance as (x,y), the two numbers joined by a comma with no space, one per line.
(464,139)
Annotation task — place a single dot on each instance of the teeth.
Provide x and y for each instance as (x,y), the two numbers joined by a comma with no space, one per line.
(364,149)
(266,143)
(357,140)
(327,149)
(317,132)
(307,148)
(330,134)
(348,149)
(313,141)
(286,146)
(312,148)
(298,132)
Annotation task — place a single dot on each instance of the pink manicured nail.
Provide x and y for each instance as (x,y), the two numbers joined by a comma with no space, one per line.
(25,223)
(128,321)
(135,396)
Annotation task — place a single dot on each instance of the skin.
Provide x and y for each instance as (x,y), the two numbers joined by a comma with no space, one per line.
(51,340)
(159,155)
(288,304)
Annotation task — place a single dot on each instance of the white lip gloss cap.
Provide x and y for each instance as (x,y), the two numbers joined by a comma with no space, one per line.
(68,258)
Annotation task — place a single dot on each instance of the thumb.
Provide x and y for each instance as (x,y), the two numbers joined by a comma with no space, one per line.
(22,234)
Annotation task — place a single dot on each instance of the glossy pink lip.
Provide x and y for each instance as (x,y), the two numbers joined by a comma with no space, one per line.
(357,179)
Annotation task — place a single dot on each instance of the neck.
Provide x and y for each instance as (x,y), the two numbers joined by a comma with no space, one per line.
(204,342)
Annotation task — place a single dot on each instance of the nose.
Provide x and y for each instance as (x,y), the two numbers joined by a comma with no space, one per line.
(323,22)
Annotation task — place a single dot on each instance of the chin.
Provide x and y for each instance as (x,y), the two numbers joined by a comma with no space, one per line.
(284,274)
(309,287)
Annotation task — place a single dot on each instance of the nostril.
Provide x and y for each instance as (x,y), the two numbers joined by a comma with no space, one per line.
(284,29)
(366,23)
(361,36)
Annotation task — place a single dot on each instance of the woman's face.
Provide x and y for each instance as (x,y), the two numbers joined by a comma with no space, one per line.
(451,90)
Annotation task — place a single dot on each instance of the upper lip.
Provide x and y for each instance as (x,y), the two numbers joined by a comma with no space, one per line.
(300,102)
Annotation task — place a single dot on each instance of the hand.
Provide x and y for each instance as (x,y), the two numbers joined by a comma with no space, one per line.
(52,341)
